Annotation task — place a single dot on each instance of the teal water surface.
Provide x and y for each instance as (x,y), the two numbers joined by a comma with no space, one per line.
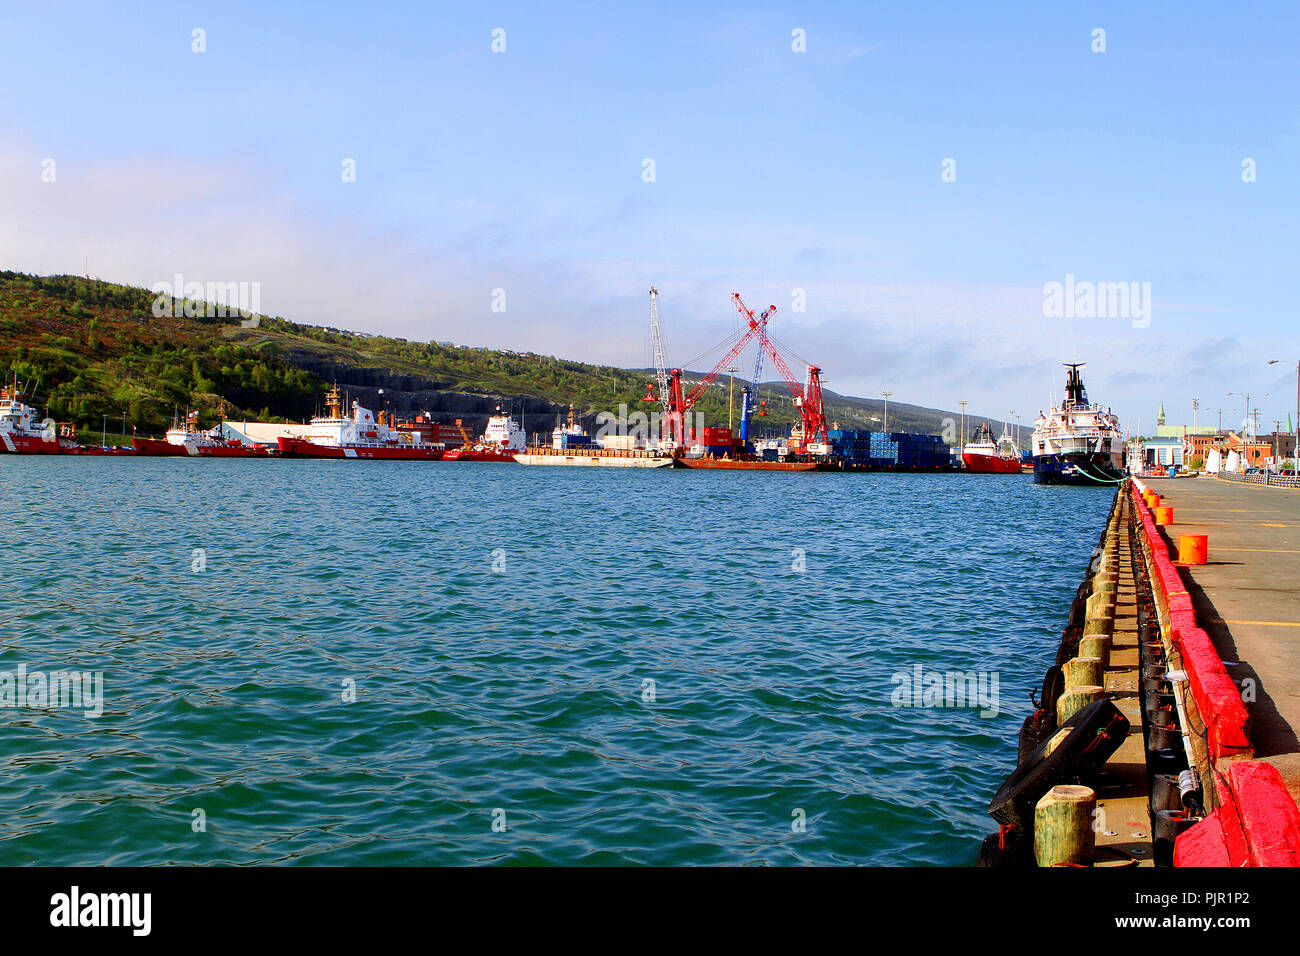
(549,665)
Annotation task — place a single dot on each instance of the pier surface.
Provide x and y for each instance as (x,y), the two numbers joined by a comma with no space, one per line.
(1125,795)
(1247,597)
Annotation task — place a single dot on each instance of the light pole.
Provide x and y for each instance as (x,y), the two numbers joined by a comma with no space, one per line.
(962,443)
(1196,404)
(1246,396)
(886,392)
(1016,434)
(1220,411)
(1295,452)
(731,396)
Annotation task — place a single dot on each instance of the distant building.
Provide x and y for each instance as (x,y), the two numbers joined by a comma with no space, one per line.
(1282,442)
(1165,430)
(1253,452)
(1165,451)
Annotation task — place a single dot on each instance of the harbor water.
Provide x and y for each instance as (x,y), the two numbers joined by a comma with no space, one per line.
(370,663)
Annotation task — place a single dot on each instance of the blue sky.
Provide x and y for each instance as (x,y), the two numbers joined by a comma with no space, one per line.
(774,171)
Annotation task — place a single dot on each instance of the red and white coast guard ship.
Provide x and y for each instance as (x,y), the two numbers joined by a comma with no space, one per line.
(186,439)
(359,435)
(983,455)
(20,433)
(502,439)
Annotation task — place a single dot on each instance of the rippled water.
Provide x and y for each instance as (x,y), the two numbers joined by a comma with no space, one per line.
(770,611)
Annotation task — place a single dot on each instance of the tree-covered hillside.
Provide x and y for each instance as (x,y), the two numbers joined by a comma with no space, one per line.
(93,352)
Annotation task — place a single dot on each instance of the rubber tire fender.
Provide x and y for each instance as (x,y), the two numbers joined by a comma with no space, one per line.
(1095,733)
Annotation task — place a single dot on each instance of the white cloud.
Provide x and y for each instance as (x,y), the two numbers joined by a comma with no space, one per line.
(576,284)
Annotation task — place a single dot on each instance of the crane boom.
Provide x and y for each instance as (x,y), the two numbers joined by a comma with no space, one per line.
(656,339)
(809,403)
(748,396)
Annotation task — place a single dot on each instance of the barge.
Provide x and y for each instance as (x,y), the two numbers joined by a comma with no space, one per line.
(594,457)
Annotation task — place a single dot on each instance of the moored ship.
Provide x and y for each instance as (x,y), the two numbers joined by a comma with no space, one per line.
(594,456)
(571,445)
(746,463)
(20,433)
(986,456)
(1078,443)
(358,435)
(501,439)
(186,439)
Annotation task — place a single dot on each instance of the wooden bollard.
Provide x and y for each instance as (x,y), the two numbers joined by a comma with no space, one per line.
(1095,645)
(1101,602)
(1063,833)
(1082,672)
(1075,699)
(1099,625)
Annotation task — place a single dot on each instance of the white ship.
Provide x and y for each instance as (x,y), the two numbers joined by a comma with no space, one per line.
(1078,443)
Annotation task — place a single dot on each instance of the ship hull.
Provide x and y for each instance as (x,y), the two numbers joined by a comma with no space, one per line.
(1089,470)
(470,454)
(741,464)
(13,444)
(596,458)
(158,448)
(301,448)
(991,464)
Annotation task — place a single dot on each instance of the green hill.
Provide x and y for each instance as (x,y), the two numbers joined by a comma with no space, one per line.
(97,356)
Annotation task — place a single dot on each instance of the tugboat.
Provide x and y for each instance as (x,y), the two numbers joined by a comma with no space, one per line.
(983,455)
(359,435)
(1078,443)
(500,441)
(20,433)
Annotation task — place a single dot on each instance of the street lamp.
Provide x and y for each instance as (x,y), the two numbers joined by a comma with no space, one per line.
(962,443)
(1246,396)
(886,393)
(1220,411)
(1295,452)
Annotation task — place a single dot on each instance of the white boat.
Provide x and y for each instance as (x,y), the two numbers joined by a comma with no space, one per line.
(1078,443)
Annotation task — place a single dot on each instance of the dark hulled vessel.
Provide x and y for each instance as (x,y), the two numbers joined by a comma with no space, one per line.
(1078,443)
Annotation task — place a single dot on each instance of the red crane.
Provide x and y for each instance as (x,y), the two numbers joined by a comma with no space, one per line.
(808,400)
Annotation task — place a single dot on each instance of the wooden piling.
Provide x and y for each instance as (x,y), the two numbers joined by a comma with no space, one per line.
(1063,826)
(1082,672)
(1096,645)
(1075,699)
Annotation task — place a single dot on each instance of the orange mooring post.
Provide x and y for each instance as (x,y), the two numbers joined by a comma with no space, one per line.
(1193,548)
(1165,514)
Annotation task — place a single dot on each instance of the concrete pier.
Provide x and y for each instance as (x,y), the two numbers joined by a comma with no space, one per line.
(1125,839)
(1247,598)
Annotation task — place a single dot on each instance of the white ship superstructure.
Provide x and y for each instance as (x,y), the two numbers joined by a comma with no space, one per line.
(1078,442)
